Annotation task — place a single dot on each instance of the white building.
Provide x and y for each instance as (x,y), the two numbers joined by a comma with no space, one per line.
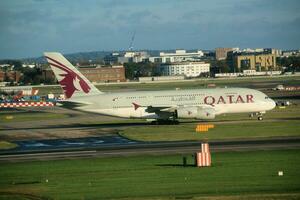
(188,69)
(135,57)
(29,65)
(5,65)
(178,56)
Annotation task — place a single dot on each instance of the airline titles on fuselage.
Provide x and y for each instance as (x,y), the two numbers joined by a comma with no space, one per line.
(212,100)
(228,99)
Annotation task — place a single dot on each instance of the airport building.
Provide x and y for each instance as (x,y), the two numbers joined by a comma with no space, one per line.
(10,76)
(258,62)
(221,53)
(290,53)
(177,56)
(96,74)
(135,57)
(104,74)
(188,69)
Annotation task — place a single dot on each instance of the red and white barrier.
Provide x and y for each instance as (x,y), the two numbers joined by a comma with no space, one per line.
(203,157)
(26,104)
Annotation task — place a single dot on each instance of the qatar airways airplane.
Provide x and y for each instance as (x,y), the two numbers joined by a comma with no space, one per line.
(158,106)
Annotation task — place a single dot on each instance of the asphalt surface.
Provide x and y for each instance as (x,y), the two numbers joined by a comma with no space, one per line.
(69,143)
(154,148)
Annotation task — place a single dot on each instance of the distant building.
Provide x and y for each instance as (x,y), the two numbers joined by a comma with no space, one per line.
(95,74)
(254,61)
(178,56)
(10,76)
(2,76)
(135,57)
(290,53)
(29,65)
(188,69)
(276,52)
(104,74)
(221,53)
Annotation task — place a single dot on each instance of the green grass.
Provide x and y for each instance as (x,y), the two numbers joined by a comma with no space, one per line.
(30,116)
(163,177)
(7,145)
(239,130)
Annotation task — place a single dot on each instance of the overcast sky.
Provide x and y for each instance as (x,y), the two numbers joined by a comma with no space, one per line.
(30,27)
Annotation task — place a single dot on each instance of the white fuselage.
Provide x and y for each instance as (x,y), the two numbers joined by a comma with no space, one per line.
(135,104)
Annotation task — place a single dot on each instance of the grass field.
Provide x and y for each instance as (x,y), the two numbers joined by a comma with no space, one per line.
(28,116)
(7,145)
(286,122)
(239,174)
(240,130)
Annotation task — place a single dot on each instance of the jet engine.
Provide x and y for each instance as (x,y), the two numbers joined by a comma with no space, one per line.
(195,113)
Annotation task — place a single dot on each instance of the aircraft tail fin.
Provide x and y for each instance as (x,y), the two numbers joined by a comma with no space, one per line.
(73,83)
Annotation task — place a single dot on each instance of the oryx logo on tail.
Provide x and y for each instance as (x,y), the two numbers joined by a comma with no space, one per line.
(70,81)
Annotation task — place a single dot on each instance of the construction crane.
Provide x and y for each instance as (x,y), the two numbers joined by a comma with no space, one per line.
(131,42)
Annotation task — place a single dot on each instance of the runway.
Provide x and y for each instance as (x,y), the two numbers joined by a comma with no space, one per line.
(155,148)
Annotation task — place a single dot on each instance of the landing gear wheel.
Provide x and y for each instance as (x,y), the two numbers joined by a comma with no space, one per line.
(260,118)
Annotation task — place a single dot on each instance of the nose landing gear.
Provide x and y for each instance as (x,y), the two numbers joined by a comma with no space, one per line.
(259,115)
(260,118)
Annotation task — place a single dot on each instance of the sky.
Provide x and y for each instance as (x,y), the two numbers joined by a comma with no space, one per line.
(31,27)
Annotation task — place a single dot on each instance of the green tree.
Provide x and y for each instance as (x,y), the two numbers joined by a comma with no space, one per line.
(291,64)
(135,70)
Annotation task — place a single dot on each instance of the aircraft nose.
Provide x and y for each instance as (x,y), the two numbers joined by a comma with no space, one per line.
(272,104)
